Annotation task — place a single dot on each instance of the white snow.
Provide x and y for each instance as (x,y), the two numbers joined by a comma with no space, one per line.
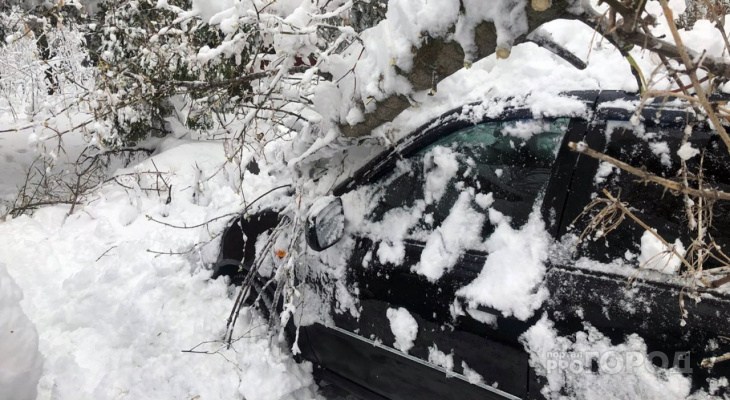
(686,151)
(441,166)
(525,129)
(486,200)
(624,370)
(661,149)
(511,277)
(716,384)
(604,170)
(21,363)
(472,376)
(483,317)
(404,328)
(438,357)
(622,126)
(393,230)
(459,231)
(116,297)
(509,18)
(655,255)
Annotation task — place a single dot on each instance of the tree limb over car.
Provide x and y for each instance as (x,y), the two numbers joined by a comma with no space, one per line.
(438,58)
(625,24)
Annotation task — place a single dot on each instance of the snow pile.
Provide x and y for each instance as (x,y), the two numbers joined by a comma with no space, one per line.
(459,231)
(624,371)
(20,362)
(117,296)
(372,65)
(655,255)
(525,129)
(393,230)
(410,21)
(515,267)
(404,328)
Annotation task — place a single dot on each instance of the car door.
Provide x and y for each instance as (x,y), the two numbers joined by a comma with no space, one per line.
(418,236)
(594,289)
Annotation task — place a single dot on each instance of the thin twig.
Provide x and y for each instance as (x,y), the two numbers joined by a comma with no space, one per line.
(104,253)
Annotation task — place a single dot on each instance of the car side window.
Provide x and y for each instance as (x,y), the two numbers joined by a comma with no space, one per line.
(502,165)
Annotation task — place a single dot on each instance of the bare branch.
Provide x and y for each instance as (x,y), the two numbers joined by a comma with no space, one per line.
(692,72)
(711,361)
(647,176)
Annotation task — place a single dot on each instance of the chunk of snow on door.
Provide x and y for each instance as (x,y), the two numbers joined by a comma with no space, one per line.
(404,327)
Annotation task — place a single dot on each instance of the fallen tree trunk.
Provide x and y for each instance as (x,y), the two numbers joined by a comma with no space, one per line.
(446,57)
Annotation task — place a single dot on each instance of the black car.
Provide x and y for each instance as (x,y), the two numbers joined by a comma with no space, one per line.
(518,165)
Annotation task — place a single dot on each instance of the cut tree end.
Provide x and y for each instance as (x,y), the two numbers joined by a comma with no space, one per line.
(502,53)
(541,5)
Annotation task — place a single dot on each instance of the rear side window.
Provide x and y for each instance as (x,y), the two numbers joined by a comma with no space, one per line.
(502,165)
(655,149)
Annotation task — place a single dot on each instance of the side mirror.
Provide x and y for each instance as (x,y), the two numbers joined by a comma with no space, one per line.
(325,223)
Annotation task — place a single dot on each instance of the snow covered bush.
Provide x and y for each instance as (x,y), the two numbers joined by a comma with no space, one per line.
(38,87)
(141,52)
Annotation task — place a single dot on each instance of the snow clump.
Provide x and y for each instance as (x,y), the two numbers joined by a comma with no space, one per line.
(448,242)
(687,151)
(404,327)
(514,268)
(655,255)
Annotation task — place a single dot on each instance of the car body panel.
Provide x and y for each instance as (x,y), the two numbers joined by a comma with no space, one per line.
(391,373)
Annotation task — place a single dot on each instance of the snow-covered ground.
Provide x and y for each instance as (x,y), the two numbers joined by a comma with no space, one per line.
(114,310)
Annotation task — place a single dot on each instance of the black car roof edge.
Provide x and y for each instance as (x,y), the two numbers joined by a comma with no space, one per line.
(589,96)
